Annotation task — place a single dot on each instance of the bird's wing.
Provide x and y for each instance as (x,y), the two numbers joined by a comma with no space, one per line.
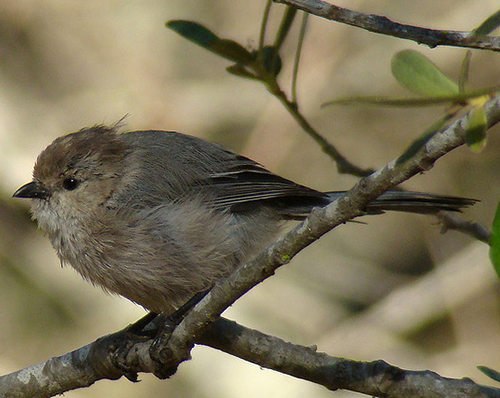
(250,183)
(183,166)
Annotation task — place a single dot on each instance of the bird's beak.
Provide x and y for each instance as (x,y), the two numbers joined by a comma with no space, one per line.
(32,190)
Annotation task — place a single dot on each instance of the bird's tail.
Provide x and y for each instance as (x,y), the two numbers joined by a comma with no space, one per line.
(412,202)
(407,201)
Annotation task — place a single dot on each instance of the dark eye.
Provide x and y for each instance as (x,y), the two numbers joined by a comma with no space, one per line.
(70,184)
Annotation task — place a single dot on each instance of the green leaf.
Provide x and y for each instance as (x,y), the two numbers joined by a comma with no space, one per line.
(418,74)
(488,26)
(193,31)
(414,102)
(239,70)
(477,125)
(491,373)
(464,72)
(205,38)
(231,50)
(495,242)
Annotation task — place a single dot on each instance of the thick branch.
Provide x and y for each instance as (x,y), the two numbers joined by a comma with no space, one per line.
(376,378)
(88,364)
(383,25)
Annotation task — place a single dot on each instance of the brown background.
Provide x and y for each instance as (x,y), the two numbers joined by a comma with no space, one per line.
(394,289)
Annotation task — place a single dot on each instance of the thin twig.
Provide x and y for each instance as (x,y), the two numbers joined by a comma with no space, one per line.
(263,26)
(269,79)
(385,26)
(455,222)
(344,166)
(296,61)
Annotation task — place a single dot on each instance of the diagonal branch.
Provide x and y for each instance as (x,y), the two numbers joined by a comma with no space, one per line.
(383,25)
(319,222)
(95,361)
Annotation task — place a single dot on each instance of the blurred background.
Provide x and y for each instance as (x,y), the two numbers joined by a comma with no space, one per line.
(395,288)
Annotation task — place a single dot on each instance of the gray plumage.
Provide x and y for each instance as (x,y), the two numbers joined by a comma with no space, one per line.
(158,216)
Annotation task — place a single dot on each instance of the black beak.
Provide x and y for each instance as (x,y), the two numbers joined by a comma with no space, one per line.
(31,190)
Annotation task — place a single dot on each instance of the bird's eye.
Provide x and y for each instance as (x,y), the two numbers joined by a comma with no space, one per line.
(70,183)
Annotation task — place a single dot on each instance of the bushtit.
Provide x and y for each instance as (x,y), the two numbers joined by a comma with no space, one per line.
(158,216)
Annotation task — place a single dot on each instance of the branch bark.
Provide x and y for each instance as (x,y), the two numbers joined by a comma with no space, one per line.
(93,362)
(383,25)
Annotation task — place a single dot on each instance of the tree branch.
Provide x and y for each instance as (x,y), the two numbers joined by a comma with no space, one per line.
(84,366)
(383,25)
(452,221)
(344,166)
(376,378)
(320,221)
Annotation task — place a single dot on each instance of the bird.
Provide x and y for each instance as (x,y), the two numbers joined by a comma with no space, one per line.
(159,216)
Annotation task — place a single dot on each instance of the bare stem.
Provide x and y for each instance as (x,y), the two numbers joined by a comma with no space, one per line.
(344,166)
(383,25)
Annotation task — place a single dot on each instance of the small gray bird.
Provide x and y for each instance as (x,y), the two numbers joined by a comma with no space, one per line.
(158,216)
